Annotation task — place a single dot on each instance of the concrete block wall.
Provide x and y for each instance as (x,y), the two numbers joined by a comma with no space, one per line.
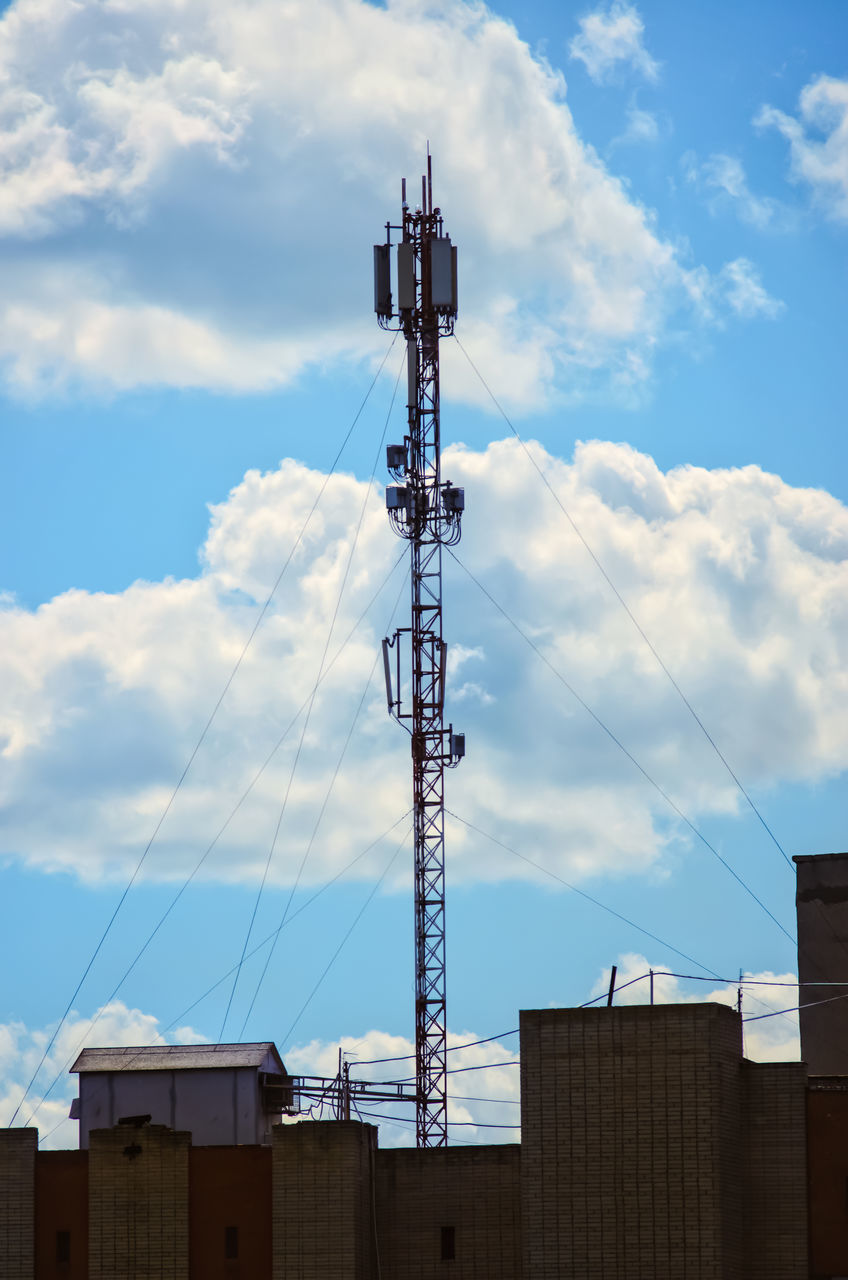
(472,1192)
(821,904)
(323,1200)
(18,1148)
(776,1170)
(138,1203)
(631,1149)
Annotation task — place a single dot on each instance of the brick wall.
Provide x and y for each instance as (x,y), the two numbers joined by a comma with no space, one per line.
(631,1155)
(821,904)
(323,1212)
(17,1203)
(138,1203)
(776,1170)
(471,1193)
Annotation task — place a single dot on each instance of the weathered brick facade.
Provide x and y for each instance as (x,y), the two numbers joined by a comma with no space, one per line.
(138,1203)
(774,1110)
(646,1149)
(323,1200)
(17,1203)
(651,1150)
(460,1201)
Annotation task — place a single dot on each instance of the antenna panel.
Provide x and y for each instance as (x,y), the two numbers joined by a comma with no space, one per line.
(412,374)
(406,276)
(443,275)
(382,280)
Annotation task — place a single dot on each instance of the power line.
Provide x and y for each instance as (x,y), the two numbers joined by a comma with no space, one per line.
(629,612)
(202,737)
(621,986)
(617,741)
(452,1048)
(223,828)
(500,1102)
(307,718)
(596,902)
(398,1122)
(810,1004)
(353,925)
(324,804)
(329,790)
(259,946)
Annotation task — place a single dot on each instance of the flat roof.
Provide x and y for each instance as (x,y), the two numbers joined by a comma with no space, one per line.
(177,1057)
(817,857)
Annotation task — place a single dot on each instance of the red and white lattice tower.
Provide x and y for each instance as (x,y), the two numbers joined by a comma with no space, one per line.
(426,511)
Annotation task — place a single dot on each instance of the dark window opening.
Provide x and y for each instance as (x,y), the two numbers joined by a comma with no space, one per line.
(448,1244)
(230,1242)
(63,1246)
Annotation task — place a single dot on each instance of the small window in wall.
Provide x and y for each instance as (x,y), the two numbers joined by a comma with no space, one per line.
(230,1242)
(448,1244)
(63,1246)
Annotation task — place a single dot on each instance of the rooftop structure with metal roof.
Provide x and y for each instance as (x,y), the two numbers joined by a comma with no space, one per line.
(180,1057)
(220,1093)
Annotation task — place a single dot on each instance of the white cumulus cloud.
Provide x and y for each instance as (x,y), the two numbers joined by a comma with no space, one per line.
(612,35)
(744,292)
(740,579)
(724,179)
(818,141)
(189,194)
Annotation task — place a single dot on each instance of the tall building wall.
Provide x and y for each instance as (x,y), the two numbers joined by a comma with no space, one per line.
(18,1149)
(138,1203)
(651,1150)
(775,1187)
(631,1147)
(827,1120)
(821,903)
(449,1211)
(323,1200)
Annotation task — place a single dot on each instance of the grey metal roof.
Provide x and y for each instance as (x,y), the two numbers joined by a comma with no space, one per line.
(178,1057)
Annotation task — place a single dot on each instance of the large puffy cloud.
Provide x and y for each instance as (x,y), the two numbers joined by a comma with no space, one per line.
(818,141)
(190,192)
(740,579)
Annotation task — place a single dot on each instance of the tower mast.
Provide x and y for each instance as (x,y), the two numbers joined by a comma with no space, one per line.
(426,511)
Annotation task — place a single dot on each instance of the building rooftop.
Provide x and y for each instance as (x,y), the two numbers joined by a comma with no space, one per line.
(178,1057)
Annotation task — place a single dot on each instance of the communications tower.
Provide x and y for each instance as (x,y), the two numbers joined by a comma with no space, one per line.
(426,511)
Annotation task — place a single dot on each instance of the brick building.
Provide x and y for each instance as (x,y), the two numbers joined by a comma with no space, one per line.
(650,1150)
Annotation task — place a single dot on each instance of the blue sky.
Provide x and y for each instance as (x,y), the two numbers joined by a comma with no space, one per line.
(650,204)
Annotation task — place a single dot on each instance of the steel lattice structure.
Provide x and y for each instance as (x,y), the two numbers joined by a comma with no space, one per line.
(426,511)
